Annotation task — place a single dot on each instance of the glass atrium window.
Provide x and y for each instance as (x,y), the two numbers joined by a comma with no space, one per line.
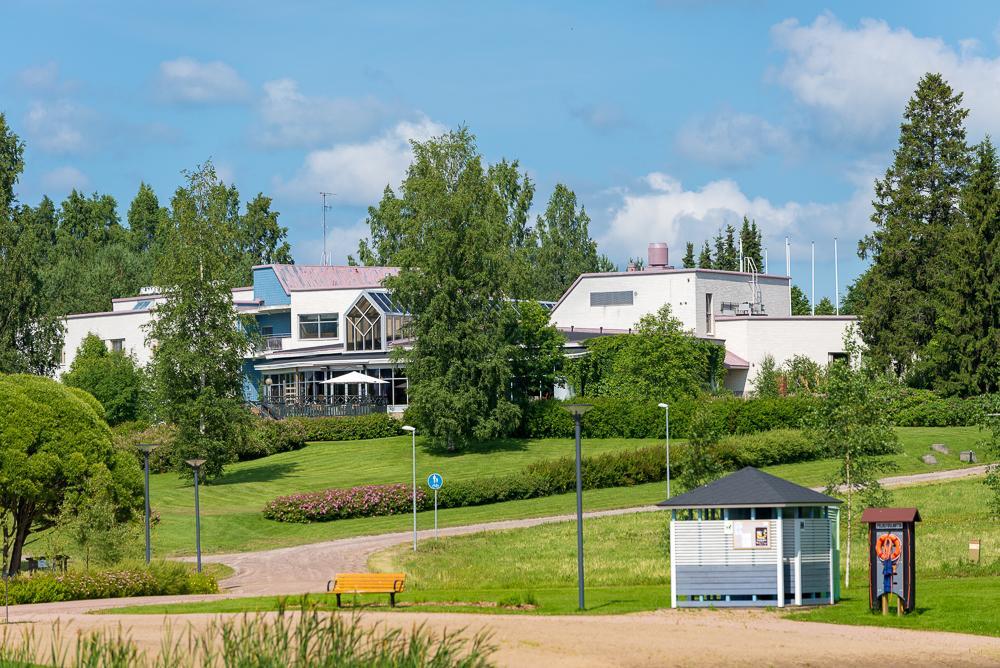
(364,327)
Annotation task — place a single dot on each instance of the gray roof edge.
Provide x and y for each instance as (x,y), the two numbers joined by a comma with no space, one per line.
(739,488)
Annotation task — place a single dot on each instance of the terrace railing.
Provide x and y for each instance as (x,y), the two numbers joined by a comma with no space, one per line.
(340,406)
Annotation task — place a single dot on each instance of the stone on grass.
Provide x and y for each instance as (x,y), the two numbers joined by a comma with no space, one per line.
(940,447)
(929,459)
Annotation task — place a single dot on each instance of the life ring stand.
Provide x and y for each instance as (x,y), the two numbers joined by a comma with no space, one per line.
(888,547)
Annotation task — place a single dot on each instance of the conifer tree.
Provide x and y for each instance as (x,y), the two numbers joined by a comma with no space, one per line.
(689,255)
(916,207)
(705,258)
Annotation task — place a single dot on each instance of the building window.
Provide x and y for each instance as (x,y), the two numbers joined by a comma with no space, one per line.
(620,298)
(267,330)
(396,328)
(709,314)
(319,326)
(364,327)
(115,345)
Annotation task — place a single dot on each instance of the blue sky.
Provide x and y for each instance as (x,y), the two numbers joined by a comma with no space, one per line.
(667,118)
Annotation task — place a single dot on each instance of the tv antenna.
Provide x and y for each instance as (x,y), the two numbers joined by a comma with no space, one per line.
(326,258)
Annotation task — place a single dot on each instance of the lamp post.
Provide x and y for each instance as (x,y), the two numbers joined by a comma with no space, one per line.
(666,407)
(577,411)
(196,464)
(147,449)
(413,435)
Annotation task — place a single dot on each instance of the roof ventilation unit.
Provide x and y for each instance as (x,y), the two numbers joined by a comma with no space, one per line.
(658,256)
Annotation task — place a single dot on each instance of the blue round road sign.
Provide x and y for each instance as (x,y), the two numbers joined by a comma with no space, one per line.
(434,481)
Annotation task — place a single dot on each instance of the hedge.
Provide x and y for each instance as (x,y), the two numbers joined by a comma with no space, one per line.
(159,579)
(354,428)
(558,476)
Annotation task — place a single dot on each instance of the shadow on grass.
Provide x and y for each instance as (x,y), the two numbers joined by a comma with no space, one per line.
(263,473)
(478,448)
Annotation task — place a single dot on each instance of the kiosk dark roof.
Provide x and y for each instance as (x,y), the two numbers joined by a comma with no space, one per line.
(890,515)
(749,487)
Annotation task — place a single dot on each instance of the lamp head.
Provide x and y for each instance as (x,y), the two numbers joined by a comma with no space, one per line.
(195,463)
(578,409)
(408,428)
(147,448)
(664,405)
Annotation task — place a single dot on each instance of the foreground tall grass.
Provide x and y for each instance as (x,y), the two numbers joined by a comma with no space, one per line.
(281,640)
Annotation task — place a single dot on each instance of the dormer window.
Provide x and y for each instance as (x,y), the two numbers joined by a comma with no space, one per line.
(364,326)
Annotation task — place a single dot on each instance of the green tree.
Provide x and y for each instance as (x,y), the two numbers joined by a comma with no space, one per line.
(701,465)
(800,303)
(989,422)
(145,217)
(537,351)
(854,424)
(963,355)
(30,337)
(659,360)
(753,243)
(53,441)
(825,307)
(916,207)
(258,239)
(726,254)
(93,523)
(201,341)
(565,249)
(112,377)
(767,384)
(689,255)
(454,252)
(705,260)
(802,376)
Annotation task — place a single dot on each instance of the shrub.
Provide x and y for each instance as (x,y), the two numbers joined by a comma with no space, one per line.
(269,437)
(339,504)
(159,579)
(923,408)
(545,478)
(354,428)
(623,418)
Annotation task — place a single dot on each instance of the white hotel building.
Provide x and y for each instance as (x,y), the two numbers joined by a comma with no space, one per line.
(320,322)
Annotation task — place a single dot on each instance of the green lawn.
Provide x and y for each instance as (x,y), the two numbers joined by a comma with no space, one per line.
(627,568)
(231,507)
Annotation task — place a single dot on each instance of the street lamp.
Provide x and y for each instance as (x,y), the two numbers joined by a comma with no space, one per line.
(196,464)
(413,435)
(577,411)
(666,407)
(147,449)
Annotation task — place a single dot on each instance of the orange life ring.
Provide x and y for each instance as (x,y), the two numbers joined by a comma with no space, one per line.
(888,547)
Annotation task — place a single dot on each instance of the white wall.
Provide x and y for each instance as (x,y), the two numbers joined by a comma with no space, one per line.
(752,338)
(126,325)
(320,301)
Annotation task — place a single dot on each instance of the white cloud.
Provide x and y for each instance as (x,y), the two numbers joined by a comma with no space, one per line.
(859,79)
(186,80)
(43,79)
(730,139)
(358,172)
(64,179)
(60,127)
(664,210)
(293,119)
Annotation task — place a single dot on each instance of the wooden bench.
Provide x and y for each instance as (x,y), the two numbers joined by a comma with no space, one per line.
(367,583)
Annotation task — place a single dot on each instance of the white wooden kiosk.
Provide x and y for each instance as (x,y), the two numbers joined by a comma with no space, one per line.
(753,539)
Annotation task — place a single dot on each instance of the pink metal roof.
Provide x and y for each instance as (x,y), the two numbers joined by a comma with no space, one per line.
(734,361)
(299,277)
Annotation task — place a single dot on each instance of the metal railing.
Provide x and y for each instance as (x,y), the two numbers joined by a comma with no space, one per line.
(339,406)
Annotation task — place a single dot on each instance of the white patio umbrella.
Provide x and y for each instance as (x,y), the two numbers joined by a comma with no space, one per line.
(353,377)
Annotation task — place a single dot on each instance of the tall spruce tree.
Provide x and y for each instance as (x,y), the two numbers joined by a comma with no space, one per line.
(753,243)
(916,207)
(705,258)
(964,352)
(689,255)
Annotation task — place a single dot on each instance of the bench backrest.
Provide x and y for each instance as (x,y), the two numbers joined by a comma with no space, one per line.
(375,583)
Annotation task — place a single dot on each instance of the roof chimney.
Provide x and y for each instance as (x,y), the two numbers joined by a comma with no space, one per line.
(658,256)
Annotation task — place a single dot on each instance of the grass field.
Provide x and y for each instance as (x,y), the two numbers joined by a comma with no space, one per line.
(627,569)
(231,507)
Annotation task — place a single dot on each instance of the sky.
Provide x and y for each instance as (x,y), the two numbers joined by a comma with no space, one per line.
(668,119)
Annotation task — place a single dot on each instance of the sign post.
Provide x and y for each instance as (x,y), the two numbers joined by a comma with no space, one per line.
(434,481)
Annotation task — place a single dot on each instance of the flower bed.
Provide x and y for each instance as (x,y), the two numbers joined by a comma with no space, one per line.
(339,504)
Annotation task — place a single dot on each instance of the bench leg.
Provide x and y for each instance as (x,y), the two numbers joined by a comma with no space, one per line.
(392,599)
(338,600)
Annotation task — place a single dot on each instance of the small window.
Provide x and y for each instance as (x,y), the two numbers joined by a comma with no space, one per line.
(319,326)
(709,314)
(267,330)
(116,345)
(618,298)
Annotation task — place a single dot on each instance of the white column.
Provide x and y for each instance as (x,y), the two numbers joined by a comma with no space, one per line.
(673,562)
(798,557)
(832,567)
(779,544)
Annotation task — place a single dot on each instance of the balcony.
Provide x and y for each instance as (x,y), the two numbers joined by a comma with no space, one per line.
(272,343)
(340,406)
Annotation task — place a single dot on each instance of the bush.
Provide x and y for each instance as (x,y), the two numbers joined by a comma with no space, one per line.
(621,418)
(340,504)
(357,428)
(269,437)
(545,478)
(159,579)
(923,408)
